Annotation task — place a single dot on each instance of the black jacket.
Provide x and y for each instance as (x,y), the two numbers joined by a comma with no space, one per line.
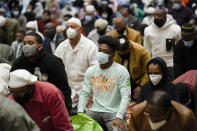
(164,84)
(185,58)
(51,70)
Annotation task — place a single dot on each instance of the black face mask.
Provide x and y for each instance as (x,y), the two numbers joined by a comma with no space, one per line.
(121,32)
(24,99)
(102,32)
(159,22)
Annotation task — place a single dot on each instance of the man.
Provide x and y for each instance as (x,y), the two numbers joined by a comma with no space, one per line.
(45,66)
(161,36)
(161,113)
(13,116)
(135,58)
(32,26)
(46,17)
(185,53)
(157,72)
(77,53)
(41,100)
(132,21)
(8,29)
(18,43)
(101,28)
(110,84)
(181,14)
(88,21)
(51,39)
(123,29)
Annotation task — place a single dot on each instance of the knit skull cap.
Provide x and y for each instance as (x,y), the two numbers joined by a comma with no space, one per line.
(2,21)
(20,78)
(187,29)
(74,20)
(101,24)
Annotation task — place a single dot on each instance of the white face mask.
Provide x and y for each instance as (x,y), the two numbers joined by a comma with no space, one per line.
(155,79)
(71,33)
(188,43)
(102,58)
(156,125)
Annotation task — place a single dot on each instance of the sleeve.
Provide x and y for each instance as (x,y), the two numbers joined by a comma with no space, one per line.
(144,60)
(178,34)
(131,126)
(86,91)
(60,80)
(138,39)
(59,114)
(92,55)
(177,61)
(58,50)
(147,42)
(140,98)
(125,91)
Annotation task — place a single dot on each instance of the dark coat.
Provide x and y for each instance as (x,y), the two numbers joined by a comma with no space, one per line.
(185,58)
(164,84)
(51,69)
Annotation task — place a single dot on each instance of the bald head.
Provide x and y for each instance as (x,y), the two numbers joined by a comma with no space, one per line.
(120,24)
(50,30)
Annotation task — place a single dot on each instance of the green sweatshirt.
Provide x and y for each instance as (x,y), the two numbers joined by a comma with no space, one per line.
(111,89)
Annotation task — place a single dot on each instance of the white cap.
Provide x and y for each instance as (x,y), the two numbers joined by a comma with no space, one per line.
(101,23)
(33,25)
(150,10)
(60,27)
(4,78)
(89,8)
(20,78)
(74,20)
(2,21)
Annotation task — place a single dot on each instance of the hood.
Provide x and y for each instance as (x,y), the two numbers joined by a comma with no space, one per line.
(169,22)
(163,68)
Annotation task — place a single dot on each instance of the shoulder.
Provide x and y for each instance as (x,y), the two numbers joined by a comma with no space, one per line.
(138,109)
(91,68)
(120,68)
(88,44)
(131,30)
(61,46)
(52,59)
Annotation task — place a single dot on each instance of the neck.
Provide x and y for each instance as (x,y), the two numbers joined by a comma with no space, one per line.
(33,59)
(107,65)
(75,41)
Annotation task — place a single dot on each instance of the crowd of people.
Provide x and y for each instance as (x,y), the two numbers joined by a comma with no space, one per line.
(130,65)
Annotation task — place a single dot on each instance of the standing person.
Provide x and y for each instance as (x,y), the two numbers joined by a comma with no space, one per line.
(77,53)
(110,84)
(41,100)
(161,36)
(161,113)
(181,14)
(45,66)
(121,28)
(8,29)
(18,43)
(157,72)
(185,53)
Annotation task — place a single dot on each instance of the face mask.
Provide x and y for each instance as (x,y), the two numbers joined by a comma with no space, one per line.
(155,79)
(28,31)
(159,22)
(16,13)
(121,31)
(45,18)
(88,18)
(188,43)
(22,99)
(64,23)
(71,33)
(101,32)
(176,6)
(28,10)
(30,50)
(156,125)
(102,58)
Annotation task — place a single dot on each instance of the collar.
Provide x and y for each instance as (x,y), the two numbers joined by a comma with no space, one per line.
(37,97)
(80,44)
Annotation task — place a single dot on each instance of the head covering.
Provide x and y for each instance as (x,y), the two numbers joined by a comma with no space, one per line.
(4,78)
(124,42)
(20,78)
(89,8)
(150,10)
(33,25)
(2,21)
(101,24)
(74,20)
(187,29)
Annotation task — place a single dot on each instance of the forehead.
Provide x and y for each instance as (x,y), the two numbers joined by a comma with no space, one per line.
(159,12)
(104,46)
(72,24)
(30,38)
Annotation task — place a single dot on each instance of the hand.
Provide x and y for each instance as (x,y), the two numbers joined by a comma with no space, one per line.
(136,92)
(119,123)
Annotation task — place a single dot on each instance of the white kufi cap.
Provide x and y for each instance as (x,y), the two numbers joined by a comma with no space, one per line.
(101,23)
(74,20)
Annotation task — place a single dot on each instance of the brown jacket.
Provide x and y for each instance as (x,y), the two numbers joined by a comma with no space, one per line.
(132,35)
(139,58)
(181,119)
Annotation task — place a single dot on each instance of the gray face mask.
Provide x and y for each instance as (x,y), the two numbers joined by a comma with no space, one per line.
(30,50)
(188,43)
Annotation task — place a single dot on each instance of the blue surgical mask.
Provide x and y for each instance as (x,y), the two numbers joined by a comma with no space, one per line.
(64,23)
(188,43)
(102,58)
(176,6)
(16,13)
(88,18)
